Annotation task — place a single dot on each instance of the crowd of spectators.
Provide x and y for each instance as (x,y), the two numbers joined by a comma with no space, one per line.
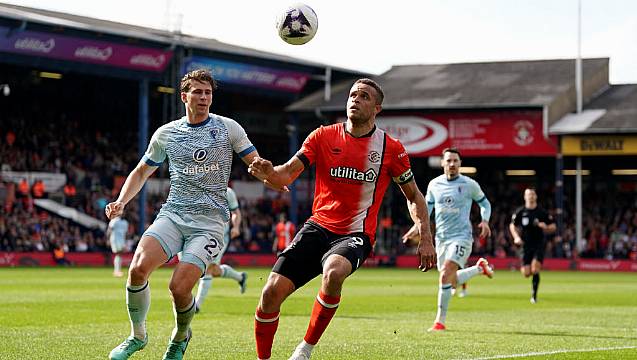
(610,223)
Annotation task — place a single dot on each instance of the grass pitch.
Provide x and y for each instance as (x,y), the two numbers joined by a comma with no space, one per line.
(69,313)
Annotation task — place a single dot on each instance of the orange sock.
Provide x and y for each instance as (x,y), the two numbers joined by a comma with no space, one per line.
(322,313)
(265,326)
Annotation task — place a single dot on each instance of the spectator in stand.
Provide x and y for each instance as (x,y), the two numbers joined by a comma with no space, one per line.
(70,192)
(38,189)
(59,255)
(23,189)
(10,138)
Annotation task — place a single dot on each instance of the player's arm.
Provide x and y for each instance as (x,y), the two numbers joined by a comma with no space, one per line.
(276,176)
(485,209)
(548,226)
(485,214)
(517,239)
(235,218)
(419,214)
(134,182)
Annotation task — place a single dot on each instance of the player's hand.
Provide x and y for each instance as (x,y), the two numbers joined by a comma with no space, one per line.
(485,230)
(426,253)
(412,236)
(234,233)
(281,188)
(261,168)
(517,240)
(114,209)
(541,225)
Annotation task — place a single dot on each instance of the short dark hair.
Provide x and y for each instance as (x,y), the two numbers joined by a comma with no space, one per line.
(201,75)
(452,150)
(380,95)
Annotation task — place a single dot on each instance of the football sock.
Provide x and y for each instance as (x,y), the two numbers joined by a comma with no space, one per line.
(117,263)
(468,273)
(202,290)
(138,303)
(183,318)
(322,313)
(444,295)
(265,325)
(228,272)
(536,283)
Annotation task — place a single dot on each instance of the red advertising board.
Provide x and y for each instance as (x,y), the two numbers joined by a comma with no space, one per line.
(11,259)
(474,133)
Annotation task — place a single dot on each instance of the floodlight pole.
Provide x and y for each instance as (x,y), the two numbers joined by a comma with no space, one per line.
(578,173)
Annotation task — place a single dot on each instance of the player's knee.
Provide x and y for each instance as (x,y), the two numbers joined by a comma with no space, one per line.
(447,276)
(178,289)
(334,276)
(138,273)
(271,298)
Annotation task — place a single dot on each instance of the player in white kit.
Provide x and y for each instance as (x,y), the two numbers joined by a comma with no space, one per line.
(116,234)
(451,195)
(199,148)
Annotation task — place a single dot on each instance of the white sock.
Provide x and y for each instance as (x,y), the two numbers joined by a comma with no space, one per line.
(444,296)
(228,272)
(183,318)
(138,303)
(468,273)
(202,291)
(117,263)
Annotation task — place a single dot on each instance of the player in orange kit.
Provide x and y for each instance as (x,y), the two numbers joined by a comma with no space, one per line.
(355,163)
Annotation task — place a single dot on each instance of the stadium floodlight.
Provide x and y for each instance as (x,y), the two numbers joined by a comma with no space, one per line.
(6,90)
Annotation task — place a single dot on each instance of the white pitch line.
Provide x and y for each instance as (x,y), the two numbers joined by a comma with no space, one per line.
(554,352)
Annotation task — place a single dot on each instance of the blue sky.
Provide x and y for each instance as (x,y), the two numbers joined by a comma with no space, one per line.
(372,36)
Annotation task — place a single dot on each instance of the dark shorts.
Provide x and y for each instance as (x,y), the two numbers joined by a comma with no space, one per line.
(535,251)
(303,260)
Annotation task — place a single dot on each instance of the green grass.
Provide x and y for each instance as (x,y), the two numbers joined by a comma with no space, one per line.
(66,313)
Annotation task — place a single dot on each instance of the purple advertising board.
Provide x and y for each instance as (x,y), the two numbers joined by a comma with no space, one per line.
(83,50)
(249,75)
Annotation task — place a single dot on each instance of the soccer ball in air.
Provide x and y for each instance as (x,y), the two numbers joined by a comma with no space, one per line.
(297,24)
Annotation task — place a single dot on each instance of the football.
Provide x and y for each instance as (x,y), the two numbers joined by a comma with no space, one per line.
(297,24)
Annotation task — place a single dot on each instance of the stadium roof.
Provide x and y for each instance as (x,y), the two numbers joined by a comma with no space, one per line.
(168,38)
(511,84)
(614,111)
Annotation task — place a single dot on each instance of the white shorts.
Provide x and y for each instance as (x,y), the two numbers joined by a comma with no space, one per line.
(117,245)
(199,238)
(457,251)
(226,242)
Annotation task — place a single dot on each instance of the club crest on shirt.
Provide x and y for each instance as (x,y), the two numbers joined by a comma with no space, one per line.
(374,157)
(214,133)
(448,200)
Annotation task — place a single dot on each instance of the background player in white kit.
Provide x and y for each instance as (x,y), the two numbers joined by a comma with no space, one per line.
(116,234)
(216,269)
(199,148)
(451,195)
